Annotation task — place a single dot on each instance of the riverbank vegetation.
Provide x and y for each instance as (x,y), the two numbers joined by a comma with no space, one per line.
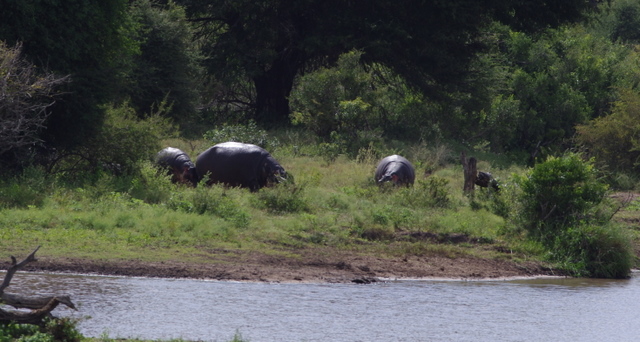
(546,103)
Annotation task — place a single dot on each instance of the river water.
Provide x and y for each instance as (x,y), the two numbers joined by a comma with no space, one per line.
(409,310)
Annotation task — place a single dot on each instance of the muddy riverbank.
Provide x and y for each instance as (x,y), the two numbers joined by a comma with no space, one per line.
(312,266)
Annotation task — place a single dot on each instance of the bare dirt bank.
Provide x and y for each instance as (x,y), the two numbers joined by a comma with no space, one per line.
(313,267)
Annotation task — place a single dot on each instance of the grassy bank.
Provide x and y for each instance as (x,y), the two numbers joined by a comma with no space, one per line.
(332,203)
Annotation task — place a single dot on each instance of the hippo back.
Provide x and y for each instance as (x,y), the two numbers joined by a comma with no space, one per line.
(397,169)
(237,164)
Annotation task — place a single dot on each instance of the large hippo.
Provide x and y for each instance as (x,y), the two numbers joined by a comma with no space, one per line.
(179,165)
(239,164)
(396,169)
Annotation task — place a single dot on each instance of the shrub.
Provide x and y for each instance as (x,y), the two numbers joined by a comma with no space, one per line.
(562,207)
(359,104)
(559,193)
(594,251)
(151,185)
(122,141)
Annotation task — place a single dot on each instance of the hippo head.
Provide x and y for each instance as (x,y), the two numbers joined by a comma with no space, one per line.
(187,174)
(191,175)
(278,175)
(390,178)
(274,173)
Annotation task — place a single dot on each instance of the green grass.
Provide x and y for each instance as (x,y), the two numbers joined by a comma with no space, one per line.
(335,206)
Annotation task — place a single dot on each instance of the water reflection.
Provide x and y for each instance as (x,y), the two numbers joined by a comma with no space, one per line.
(519,310)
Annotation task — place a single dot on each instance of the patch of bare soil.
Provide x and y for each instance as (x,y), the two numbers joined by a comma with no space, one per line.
(327,267)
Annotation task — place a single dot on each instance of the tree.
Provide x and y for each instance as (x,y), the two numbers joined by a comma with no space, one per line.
(26,94)
(430,43)
(167,68)
(89,40)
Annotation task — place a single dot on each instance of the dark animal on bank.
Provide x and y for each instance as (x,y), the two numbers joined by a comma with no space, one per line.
(395,169)
(178,165)
(485,180)
(239,164)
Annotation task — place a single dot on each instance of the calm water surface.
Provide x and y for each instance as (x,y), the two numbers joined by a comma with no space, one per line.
(521,310)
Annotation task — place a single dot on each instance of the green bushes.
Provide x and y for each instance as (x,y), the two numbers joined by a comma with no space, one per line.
(562,206)
(63,330)
(118,147)
(351,107)
(31,188)
(612,139)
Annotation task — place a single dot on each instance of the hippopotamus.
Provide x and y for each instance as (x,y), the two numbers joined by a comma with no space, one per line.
(396,169)
(179,166)
(239,164)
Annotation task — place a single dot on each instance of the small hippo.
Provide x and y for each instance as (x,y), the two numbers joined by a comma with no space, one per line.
(239,164)
(178,165)
(396,169)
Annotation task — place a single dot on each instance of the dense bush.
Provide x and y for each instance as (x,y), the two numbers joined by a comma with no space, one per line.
(352,107)
(613,139)
(121,143)
(559,193)
(562,206)
(597,251)
(167,68)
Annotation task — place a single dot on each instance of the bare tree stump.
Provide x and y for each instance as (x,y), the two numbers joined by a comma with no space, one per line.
(470,172)
(41,306)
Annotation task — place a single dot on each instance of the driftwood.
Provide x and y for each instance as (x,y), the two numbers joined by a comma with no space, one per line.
(41,307)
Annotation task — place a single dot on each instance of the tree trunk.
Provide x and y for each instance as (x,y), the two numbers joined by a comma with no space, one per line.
(273,88)
(470,172)
(41,306)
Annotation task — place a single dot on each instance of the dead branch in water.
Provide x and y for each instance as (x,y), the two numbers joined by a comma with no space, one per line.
(41,306)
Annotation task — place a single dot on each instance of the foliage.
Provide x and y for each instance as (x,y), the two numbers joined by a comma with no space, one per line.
(120,144)
(613,139)
(559,193)
(56,329)
(27,94)
(557,80)
(351,107)
(152,185)
(429,43)
(28,189)
(282,198)
(597,251)
(249,133)
(432,192)
(562,207)
(89,40)
(210,201)
(167,68)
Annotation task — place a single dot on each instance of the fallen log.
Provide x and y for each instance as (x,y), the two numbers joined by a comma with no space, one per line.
(40,306)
